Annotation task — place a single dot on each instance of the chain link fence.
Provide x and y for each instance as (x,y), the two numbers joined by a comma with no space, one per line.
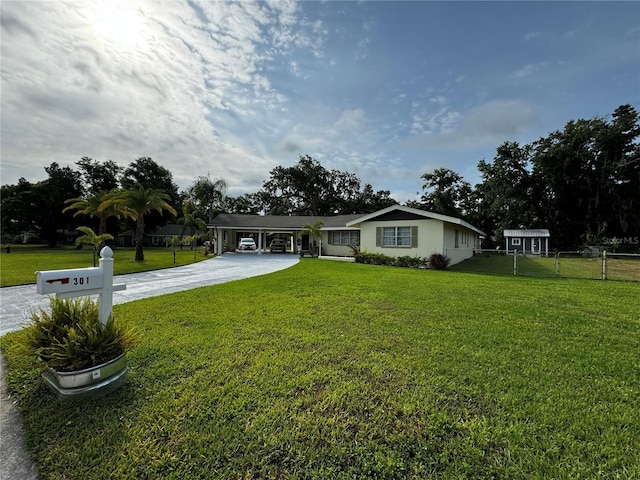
(587,265)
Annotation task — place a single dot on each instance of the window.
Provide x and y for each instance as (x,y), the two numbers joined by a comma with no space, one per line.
(396,237)
(515,241)
(345,237)
(457,239)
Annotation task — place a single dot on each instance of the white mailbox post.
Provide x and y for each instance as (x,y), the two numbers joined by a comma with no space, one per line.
(78,282)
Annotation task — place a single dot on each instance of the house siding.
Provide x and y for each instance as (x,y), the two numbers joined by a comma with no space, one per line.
(331,250)
(468,242)
(429,237)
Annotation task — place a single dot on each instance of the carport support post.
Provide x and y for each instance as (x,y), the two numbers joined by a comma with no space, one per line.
(259,241)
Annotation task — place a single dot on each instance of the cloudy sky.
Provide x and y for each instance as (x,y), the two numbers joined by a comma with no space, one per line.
(385,90)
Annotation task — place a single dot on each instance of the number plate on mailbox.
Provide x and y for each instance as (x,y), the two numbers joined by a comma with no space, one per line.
(71,280)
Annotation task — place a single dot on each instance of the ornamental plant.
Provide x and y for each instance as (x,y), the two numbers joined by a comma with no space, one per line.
(437,261)
(70,337)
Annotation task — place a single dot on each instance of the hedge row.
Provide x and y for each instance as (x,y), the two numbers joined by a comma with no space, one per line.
(436,261)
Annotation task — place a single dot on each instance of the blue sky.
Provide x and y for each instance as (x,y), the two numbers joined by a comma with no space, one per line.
(385,90)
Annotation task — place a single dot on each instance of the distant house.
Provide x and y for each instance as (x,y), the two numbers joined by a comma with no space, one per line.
(160,237)
(534,241)
(394,231)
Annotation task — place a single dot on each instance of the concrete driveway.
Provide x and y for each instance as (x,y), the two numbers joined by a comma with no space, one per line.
(16,303)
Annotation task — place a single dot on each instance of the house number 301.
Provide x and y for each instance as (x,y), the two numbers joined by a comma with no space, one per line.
(81,280)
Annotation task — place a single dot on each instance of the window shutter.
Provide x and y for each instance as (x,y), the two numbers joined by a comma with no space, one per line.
(378,236)
(414,237)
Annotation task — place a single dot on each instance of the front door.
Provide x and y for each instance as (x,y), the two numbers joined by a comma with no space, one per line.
(535,246)
(305,242)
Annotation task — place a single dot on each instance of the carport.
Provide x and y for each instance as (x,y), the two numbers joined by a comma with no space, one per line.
(228,228)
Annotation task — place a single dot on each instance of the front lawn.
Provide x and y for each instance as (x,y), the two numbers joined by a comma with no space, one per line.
(337,370)
(19,266)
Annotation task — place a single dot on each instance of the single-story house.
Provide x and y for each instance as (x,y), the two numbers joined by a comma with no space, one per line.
(394,231)
(228,228)
(534,241)
(160,237)
(400,231)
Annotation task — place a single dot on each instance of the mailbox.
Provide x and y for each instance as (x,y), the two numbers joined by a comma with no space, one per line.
(70,280)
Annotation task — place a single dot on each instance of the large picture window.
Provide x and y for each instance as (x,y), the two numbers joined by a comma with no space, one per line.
(404,237)
(346,237)
(396,237)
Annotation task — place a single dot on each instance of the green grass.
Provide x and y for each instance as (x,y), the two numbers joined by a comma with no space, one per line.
(335,370)
(19,266)
(566,266)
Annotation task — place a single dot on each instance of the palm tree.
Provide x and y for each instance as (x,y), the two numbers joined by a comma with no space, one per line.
(315,232)
(90,238)
(136,203)
(192,221)
(90,206)
(208,191)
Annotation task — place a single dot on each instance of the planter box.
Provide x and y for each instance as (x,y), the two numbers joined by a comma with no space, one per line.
(92,382)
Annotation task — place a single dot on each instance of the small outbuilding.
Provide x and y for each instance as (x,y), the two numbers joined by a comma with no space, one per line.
(534,241)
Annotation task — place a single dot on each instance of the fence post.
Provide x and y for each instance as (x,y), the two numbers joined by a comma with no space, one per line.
(604,265)
(515,262)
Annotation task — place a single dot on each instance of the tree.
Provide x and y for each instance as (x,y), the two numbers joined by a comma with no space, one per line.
(138,202)
(18,203)
(99,177)
(591,176)
(446,193)
(582,182)
(249,204)
(50,194)
(145,171)
(192,221)
(174,244)
(91,206)
(90,238)
(509,194)
(369,201)
(208,194)
(307,188)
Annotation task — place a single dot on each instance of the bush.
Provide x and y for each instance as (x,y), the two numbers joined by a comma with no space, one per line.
(71,337)
(411,262)
(437,261)
(374,259)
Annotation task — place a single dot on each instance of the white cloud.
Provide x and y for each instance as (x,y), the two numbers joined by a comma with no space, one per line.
(66,82)
(527,70)
(532,35)
(500,120)
(350,120)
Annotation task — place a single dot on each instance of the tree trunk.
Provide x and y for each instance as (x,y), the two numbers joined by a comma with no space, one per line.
(139,238)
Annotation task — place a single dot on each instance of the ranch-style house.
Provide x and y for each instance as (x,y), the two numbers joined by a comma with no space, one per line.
(394,231)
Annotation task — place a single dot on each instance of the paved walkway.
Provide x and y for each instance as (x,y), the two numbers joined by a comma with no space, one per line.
(17,302)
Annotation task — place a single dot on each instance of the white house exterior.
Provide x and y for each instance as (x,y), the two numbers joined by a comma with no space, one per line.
(534,241)
(399,231)
(394,231)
